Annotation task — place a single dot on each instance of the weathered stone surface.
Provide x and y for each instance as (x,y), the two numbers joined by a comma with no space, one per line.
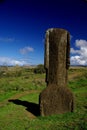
(56,98)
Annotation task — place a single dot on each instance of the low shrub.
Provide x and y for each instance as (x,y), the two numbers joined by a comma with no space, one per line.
(39,69)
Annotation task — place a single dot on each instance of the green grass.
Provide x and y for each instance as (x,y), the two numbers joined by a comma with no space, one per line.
(32,97)
(22,83)
(18,115)
(6,95)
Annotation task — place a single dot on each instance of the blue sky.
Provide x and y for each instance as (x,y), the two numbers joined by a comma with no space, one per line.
(23,24)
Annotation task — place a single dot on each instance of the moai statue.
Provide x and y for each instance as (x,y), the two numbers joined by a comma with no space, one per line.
(56,98)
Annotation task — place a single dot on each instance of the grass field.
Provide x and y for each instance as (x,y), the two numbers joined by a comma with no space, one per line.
(19,96)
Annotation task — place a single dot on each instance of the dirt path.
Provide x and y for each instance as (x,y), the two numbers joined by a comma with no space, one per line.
(74,75)
(17,96)
(23,94)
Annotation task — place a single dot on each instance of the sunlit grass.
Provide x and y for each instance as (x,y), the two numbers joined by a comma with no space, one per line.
(16,114)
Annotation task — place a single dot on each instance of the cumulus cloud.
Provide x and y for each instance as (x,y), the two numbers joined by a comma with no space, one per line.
(26,50)
(10,61)
(73,51)
(80,55)
(81,43)
(77,60)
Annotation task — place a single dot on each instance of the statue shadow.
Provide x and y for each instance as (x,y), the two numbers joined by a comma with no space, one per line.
(30,107)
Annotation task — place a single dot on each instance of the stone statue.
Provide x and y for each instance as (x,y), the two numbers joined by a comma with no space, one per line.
(56,98)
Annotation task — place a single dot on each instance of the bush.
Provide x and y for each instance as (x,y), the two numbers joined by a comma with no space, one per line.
(39,69)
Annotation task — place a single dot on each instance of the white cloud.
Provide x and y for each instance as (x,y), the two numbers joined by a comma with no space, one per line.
(80,55)
(81,43)
(10,61)
(71,37)
(77,60)
(73,51)
(26,50)
(8,39)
